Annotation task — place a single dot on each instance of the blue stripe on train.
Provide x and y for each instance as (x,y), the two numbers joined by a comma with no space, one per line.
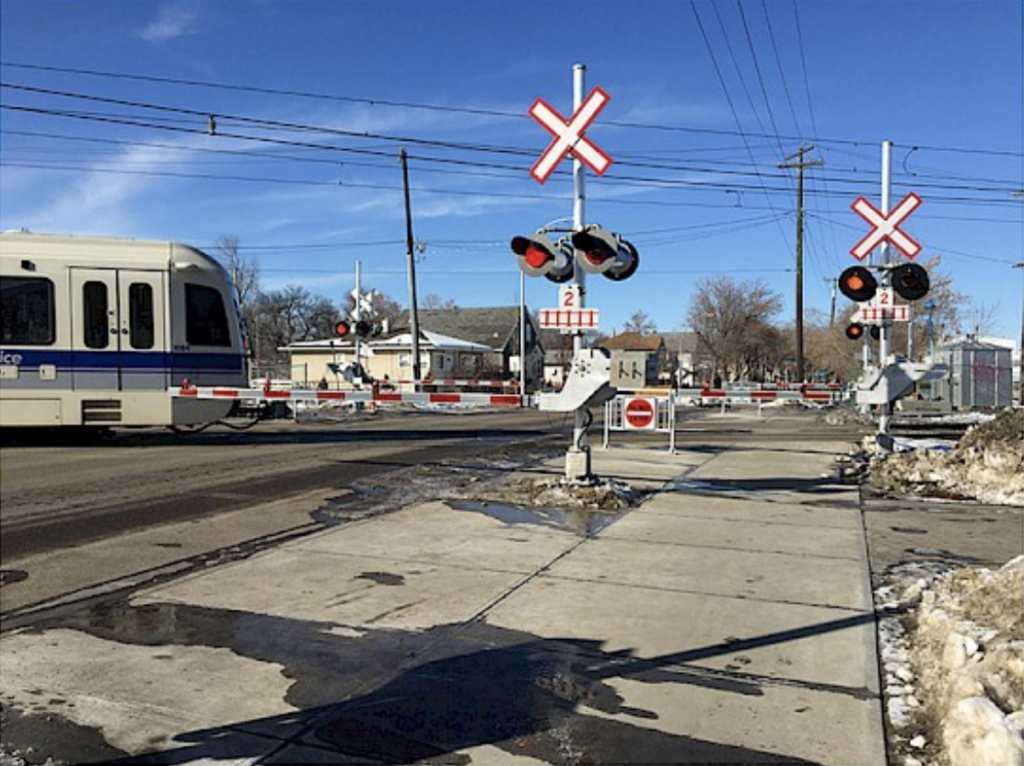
(176,363)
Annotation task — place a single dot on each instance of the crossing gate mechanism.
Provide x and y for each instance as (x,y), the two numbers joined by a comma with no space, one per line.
(639,411)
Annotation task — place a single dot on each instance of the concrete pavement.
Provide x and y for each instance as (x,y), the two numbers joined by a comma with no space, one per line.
(728,619)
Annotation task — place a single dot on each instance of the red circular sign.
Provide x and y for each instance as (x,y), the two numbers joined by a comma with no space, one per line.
(639,413)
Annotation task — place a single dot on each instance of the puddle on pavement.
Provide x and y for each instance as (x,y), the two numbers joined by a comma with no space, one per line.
(582,521)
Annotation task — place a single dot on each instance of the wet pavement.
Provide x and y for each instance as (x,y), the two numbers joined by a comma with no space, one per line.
(727,619)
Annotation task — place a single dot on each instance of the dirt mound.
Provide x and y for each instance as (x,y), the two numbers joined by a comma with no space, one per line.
(1005,432)
(987,465)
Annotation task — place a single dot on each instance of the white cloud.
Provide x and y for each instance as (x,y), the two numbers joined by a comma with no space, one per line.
(172,21)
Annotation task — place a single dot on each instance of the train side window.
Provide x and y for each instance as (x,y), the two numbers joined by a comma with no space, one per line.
(206,320)
(95,322)
(27,316)
(141,317)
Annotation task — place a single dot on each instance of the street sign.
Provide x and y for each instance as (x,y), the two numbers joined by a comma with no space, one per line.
(569,136)
(886,227)
(639,413)
(569,319)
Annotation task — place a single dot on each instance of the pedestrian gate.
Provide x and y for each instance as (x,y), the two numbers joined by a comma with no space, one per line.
(642,411)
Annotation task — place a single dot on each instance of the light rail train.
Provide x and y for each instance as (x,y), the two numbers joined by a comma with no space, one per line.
(98,332)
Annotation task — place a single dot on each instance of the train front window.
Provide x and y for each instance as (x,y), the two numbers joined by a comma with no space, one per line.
(27,313)
(206,319)
(141,317)
(95,322)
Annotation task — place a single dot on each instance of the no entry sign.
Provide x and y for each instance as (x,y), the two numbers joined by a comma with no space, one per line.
(639,413)
(569,136)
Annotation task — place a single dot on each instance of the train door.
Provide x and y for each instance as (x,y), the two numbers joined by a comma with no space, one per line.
(118,330)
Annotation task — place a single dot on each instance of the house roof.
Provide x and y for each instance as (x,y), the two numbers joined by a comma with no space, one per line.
(680,342)
(488,326)
(633,341)
(400,340)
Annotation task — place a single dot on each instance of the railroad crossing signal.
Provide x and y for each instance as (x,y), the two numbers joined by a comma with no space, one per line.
(569,136)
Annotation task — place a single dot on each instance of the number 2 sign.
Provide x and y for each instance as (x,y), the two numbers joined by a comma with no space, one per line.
(569,297)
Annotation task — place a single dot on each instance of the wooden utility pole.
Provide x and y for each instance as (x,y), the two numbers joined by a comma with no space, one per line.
(800,164)
(410,243)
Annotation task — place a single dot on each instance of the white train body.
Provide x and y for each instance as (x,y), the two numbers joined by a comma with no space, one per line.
(98,332)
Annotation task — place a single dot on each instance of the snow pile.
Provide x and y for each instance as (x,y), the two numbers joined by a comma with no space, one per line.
(987,465)
(954,667)
(603,494)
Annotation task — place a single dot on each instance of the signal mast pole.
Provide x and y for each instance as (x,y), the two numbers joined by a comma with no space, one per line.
(886,280)
(577,459)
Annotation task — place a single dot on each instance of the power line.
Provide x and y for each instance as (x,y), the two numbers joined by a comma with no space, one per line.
(818,139)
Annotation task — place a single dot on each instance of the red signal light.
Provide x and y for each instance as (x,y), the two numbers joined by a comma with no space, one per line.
(342,329)
(855,331)
(858,284)
(536,257)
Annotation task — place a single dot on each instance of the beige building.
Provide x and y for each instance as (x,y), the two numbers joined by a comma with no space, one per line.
(387,359)
(455,344)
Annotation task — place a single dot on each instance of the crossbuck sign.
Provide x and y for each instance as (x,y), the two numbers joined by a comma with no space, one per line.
(569,136)
(886,227)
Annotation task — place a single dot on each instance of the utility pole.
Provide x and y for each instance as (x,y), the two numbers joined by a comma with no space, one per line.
(1020,351)
(800,164)
(832,303)
(410,243)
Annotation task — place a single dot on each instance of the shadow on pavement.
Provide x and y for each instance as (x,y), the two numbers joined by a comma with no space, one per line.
(393,696)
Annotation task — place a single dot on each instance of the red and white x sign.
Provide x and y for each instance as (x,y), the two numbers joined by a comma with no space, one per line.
(886,227)
(569,136)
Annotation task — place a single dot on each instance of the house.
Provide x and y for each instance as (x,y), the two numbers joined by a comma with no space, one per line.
(681,348)
(454,343)
(385,358)
(638,360)
(497,328)
(557,357)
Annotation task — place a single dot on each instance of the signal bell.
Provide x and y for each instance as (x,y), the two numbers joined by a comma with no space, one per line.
(540,257)
(603,252)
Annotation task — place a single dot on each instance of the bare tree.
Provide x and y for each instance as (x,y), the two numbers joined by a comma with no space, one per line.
(732,323)
(639,322)
(435,301)
(245,273)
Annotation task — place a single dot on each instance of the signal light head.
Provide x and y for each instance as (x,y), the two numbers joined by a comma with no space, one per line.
(606,253)
(858,284)
(341,329)
(910,281)
(540,257)
(855,331)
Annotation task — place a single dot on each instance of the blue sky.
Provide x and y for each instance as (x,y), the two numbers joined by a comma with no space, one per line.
(105,131)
